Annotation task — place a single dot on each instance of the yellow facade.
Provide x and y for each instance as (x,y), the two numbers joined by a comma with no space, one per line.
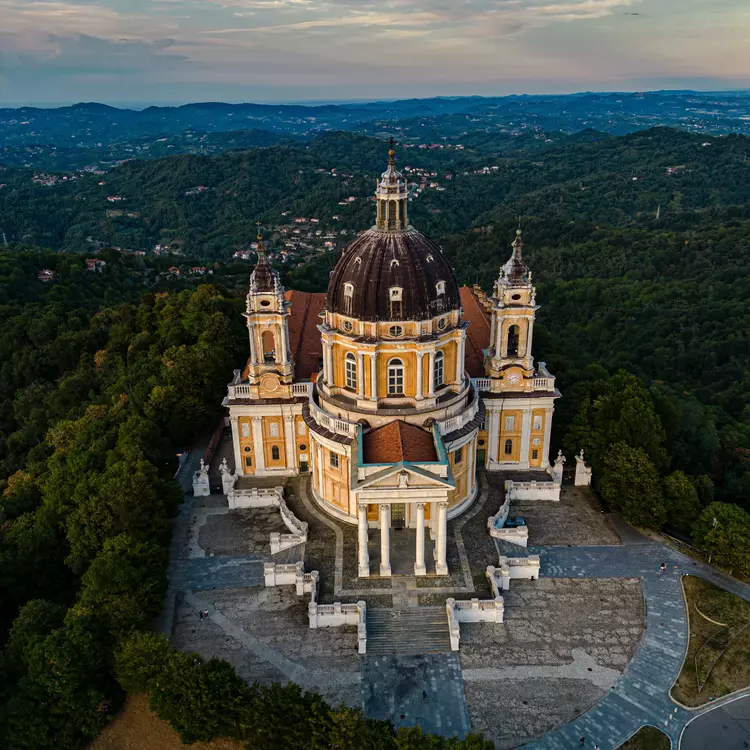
(510,435)
(274,442)
(537,449)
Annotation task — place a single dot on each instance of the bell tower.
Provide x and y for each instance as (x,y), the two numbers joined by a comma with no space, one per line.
(392,196)
(513,314)
(267,314)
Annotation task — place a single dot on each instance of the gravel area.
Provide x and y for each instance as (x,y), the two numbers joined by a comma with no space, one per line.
(512,712)
(240,532)
(578,519)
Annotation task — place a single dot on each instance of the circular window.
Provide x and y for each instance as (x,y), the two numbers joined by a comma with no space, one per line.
(264,303)
(303,447)
(480,442)
(516,296)
(347,325)
(247,449)
(441,323)
(395,331)
(536,441)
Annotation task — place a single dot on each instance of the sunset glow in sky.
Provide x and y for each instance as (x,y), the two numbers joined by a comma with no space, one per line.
(141,51)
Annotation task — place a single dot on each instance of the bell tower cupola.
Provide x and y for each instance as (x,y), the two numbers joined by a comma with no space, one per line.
(392,196)
(513,314)
(267,315)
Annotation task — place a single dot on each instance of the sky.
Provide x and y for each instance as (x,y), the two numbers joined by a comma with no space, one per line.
(175,51)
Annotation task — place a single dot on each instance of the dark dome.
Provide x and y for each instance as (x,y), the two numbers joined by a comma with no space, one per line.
(376,262)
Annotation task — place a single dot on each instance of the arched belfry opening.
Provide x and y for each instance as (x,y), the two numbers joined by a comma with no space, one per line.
(269,346)
(514,334)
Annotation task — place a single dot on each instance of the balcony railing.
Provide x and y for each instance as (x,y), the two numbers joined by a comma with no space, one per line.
(239,391)
(460,420)
(331,423)
(301,389)
(242,390)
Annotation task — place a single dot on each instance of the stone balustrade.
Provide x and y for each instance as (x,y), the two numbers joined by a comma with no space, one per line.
(516,534)
(332,423)
(499,579)
(521,567)
(337,614)
(532,490)
(454,630)
(282,575)
(460,420)
(498,520)
(254,497)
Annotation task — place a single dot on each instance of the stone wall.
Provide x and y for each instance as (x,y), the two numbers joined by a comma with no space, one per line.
(532,490)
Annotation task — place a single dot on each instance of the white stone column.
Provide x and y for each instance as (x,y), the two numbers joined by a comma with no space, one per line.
(363,556)
(525,438)
(360,375)
(431,373)
(239,465)
(258,452)
(419,376)
(319,468)
(419,566)
(385,539)
(291,446)
(499,344)
(284,340)
(374,376)
(328,348)
(253,353)
(441,564)
(547,438)
(529,337)
(460,358)
(492,437)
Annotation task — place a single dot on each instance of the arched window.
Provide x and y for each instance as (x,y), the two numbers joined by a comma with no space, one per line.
(351,371)
(513,334)
(391,214)
(395,377)
(269,347)
(439,369)
(508,447)
(348,296)
(275,453)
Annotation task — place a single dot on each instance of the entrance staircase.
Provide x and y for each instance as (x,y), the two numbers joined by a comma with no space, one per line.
(420,630)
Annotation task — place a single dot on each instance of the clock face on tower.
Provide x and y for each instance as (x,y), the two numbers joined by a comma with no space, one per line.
(513,378)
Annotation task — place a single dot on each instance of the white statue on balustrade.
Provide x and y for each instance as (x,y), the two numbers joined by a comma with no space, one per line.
(228,478)
(583,472)
(201,484)
(557,469)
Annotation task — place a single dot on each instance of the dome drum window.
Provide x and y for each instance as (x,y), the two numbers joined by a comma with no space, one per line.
(395,332)
(351,371)
(442,323)
(348,326)
(439,369)
(395,378)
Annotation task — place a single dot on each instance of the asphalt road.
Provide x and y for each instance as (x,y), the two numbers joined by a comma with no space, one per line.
(724,728)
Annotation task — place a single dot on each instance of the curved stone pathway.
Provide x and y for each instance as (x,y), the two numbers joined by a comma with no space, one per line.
(640,696)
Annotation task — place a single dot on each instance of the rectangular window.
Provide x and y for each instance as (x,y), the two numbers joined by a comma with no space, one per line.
(457,456)
(351,373)
(534,454)
(245,429)
(510,423)
(301,428)
(273,429)
(248,461)
(439,370)
(537,423)
(334,460)
(508,447)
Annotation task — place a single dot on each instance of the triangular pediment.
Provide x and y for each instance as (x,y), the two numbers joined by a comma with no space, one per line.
(404,476)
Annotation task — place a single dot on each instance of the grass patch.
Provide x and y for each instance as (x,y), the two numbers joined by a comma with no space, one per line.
(718,658)
(647,738)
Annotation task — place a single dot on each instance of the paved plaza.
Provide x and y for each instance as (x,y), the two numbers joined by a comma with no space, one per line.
(590,649)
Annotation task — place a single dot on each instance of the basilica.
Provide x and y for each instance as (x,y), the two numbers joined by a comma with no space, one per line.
(395,386)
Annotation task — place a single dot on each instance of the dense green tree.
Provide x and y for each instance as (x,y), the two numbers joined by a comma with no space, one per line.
(630,484)
(681,497)
(723,530)
(124,585)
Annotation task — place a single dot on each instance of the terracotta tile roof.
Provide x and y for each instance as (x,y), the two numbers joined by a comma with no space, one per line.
(477,334)
(398,441)
(304,336)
